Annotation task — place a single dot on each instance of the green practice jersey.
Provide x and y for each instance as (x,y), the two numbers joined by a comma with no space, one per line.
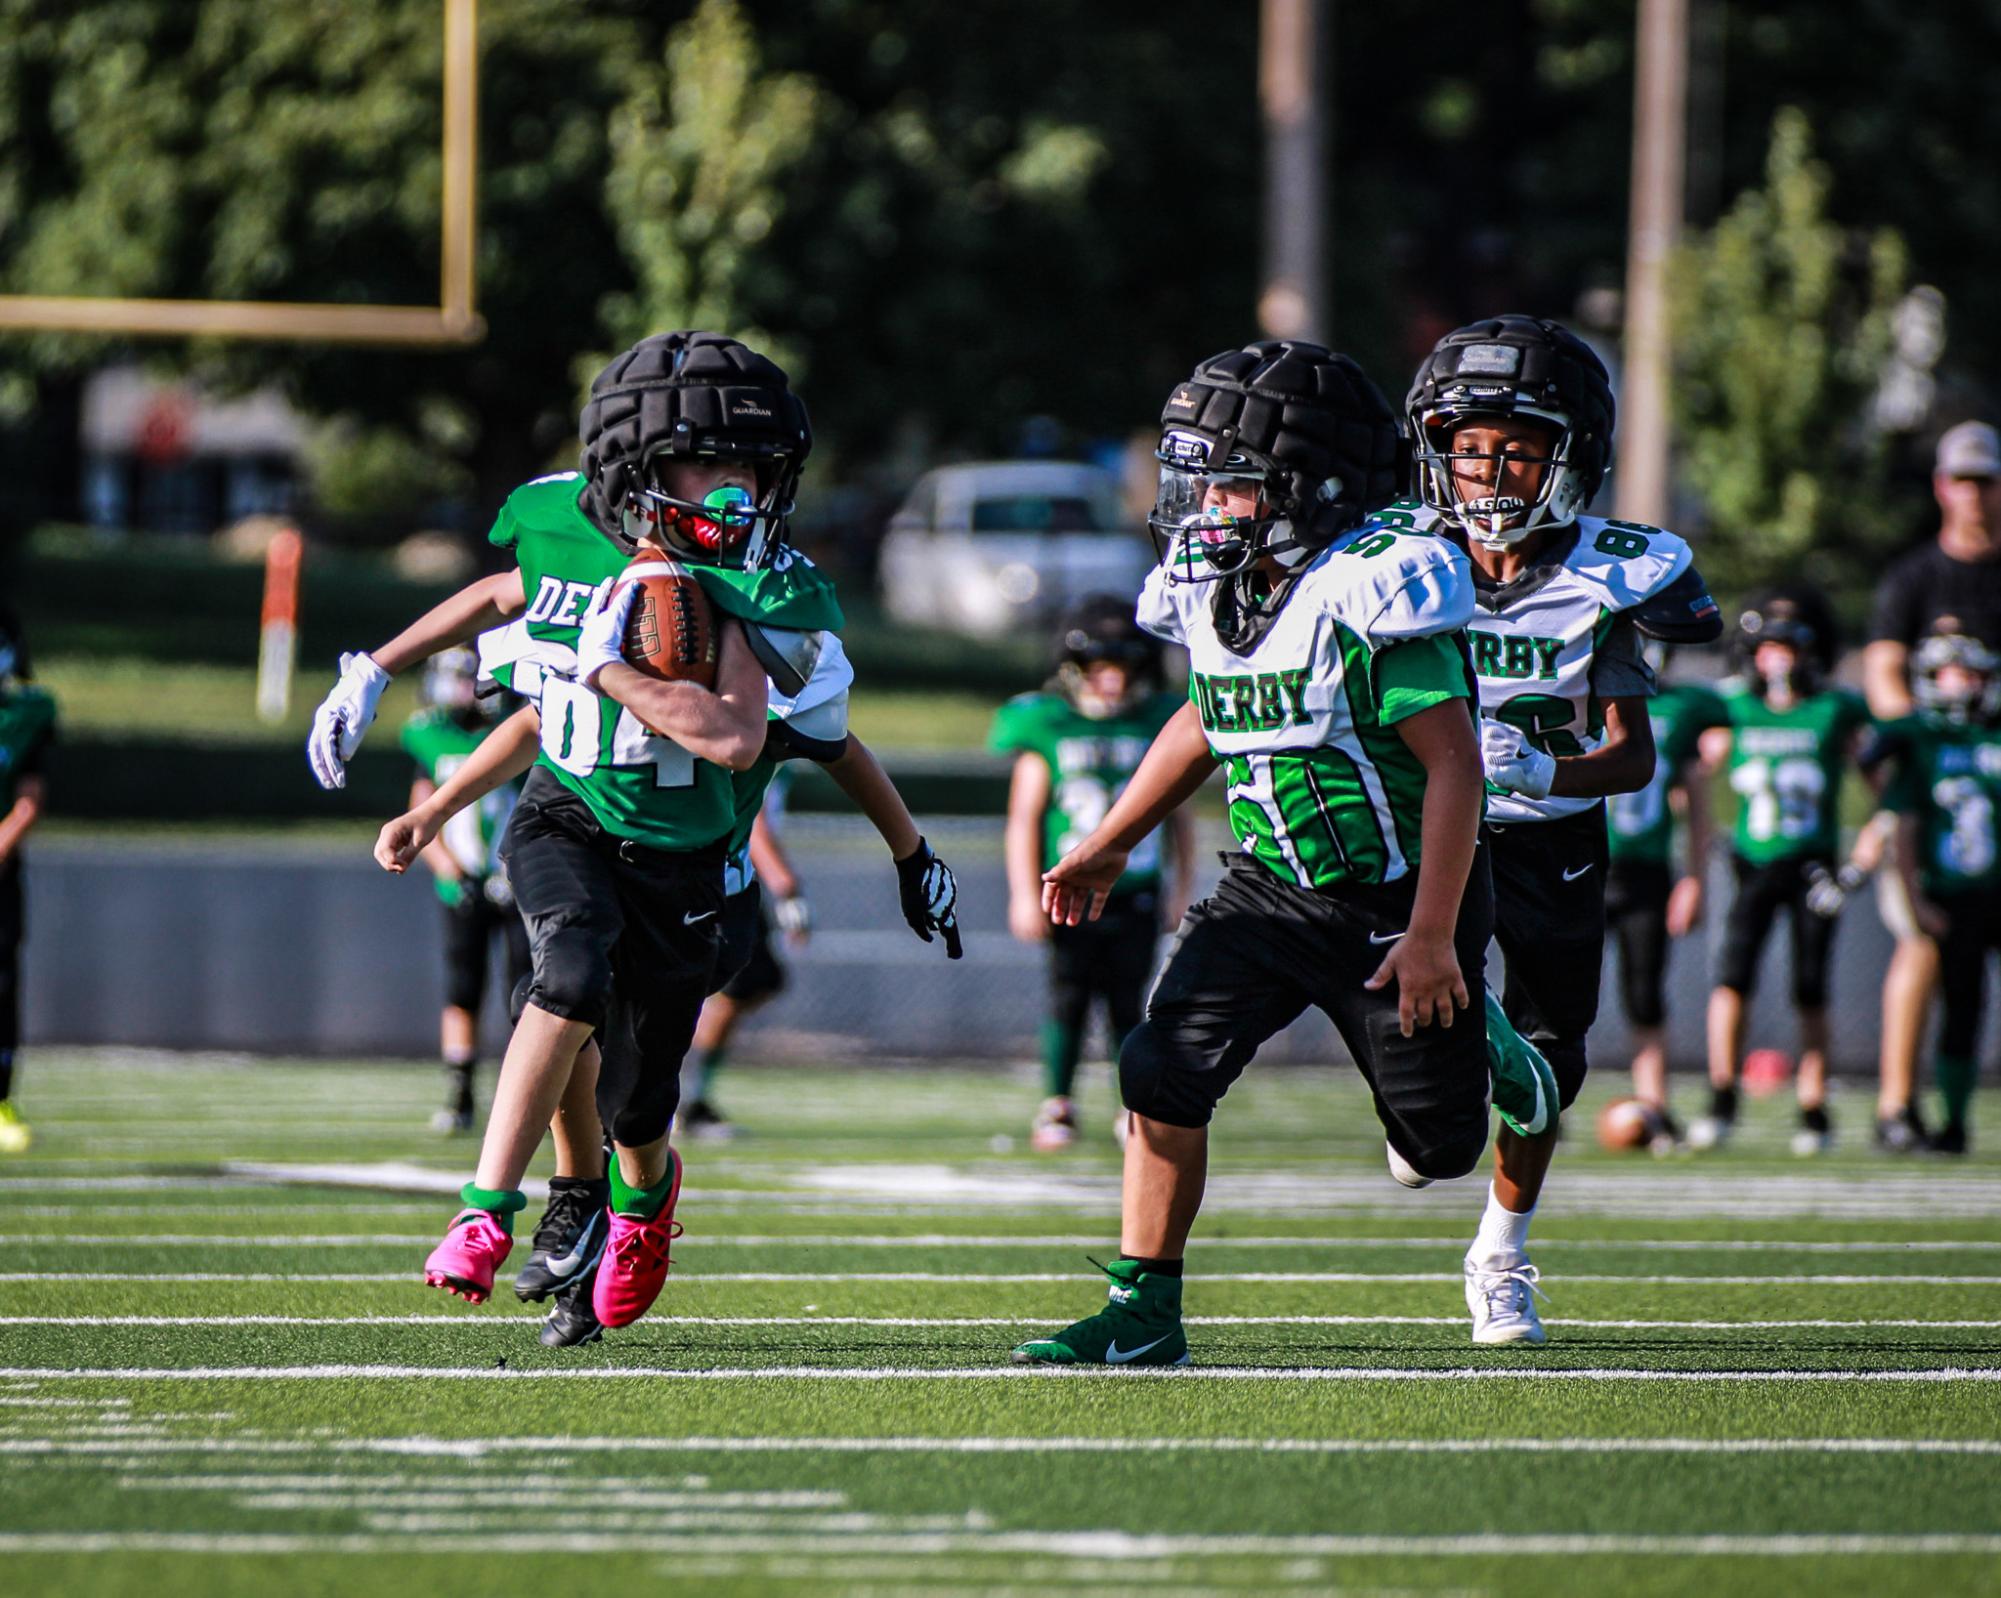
(1949,777)
(27,728)
(440,744)
(1641,824)
(639,784)
(1090,762)
(1785,768)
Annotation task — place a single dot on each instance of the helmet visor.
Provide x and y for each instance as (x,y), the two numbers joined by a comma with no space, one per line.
(1213,521)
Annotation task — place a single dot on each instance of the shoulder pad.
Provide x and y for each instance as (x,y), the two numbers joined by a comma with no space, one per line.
(1624,563)
(788,655)
(1398,584)
(1158,610)
(826,685)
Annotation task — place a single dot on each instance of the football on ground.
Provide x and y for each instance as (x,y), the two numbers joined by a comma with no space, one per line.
(1628,1123)
(671,633)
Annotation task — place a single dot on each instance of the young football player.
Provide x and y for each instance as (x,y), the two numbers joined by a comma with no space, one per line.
(693,445)
(1510,420)
(1788,738)
(27,728)
(1076,745)
(1646,902)
(1946,789)
(465,865)
(1329,680)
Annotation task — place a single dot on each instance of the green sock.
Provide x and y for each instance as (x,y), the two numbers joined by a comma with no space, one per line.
(1955,1075)
(503,1204)
(629,1200)
(705,1071)
(1061,1045)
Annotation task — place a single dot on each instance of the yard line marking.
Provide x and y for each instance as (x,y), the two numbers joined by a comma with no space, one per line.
(990,1277)
(894,1373)
(481,1448)
(968,1240)
(1096,1545)
(459,1321)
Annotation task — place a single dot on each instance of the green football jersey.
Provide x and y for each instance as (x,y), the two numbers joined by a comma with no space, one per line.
(1090,762)
(440,744)
(639,784)
(1949,777)
(1640,824)
(1785,768)
(27,727)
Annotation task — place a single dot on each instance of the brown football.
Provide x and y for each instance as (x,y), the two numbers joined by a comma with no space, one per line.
(1627,1124)
(671,633)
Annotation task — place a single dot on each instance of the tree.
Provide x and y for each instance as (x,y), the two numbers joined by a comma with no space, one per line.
(1781,328)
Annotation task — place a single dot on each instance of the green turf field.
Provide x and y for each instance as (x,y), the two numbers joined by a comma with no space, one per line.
(218,1372)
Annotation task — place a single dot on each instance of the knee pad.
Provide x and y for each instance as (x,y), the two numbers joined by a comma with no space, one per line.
(1154,1084)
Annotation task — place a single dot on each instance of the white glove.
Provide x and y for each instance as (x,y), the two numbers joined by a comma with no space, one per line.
(794,917)
(343,717)
(601,634)
(1512,762)
(1827,891)
(498,890)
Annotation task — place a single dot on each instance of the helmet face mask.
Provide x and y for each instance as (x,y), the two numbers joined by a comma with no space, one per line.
(451,684)
(1207,525)
(1099,636)
(729,525)
(1956,679)
(1798,666)
(1493,520)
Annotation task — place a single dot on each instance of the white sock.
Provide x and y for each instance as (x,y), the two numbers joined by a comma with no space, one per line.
(1503,1238)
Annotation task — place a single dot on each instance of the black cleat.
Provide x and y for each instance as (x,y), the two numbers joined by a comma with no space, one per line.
(1950,1138)
(572,1323)
(1902,1133)
(568,1239)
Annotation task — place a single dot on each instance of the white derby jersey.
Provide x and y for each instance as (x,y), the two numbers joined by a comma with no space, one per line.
(1534,654)
(1322,789)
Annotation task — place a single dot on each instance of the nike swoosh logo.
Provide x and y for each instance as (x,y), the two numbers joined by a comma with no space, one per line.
(582,1254)
(1377,937)
(1119,1356)
(691,917)
(1572,876)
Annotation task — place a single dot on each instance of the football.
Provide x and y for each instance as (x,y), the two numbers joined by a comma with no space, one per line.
(671,633)
(1628,1124)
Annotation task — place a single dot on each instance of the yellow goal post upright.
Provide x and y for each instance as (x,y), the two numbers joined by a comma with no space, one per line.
(451,321)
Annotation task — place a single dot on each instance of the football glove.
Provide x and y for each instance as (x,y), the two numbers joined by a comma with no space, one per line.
(601,634)
(343,717)
(1512,763)
(1827,891)
(793,915)
(930,895)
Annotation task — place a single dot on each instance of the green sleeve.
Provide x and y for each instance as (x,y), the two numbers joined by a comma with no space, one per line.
(1014,728)
(1416,674)
(506,530)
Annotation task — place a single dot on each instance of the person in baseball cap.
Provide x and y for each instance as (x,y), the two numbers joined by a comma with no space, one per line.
(1972,449)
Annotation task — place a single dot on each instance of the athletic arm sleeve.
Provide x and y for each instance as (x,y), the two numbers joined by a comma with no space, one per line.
(1618,669)
(1156,610)
(1682,612)
(1416,674)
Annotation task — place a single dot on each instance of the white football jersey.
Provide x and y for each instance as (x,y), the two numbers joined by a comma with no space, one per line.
(1533,654)
(1319,790)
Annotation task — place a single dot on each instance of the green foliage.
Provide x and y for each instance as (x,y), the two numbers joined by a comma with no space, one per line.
(1782,324)
(382,474)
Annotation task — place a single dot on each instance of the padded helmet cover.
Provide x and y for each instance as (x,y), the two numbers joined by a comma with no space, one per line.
(689,396)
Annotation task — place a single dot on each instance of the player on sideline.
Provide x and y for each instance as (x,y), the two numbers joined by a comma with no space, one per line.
(1945,789)
(1788,737)
(1076,745)
(465,864)
(692,447)
(27,728)
(1329,679)
(1510,420)
(1646,904)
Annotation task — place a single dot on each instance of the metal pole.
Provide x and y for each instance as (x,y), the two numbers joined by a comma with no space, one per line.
(461,148)
(1291,85)
(1660,96)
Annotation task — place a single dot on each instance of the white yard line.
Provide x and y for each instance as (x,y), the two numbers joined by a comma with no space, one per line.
(962,1240)
(894,1373)
(1888,1278)
(1095,1545)
(445,1318)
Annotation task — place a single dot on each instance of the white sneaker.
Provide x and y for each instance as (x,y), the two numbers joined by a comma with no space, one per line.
(1403,1170)
(1054,1128)
(1502,1299)
(1709,1132)
(1808,1143)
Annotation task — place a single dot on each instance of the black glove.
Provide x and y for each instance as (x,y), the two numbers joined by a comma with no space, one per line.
(929,894)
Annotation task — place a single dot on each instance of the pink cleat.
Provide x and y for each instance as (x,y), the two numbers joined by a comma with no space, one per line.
(472,1251)
(634,1267)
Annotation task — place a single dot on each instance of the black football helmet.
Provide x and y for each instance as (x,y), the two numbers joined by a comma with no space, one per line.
(1512,366)
(690,396)
(1799,617)
(1275,449)
(1101,628)
(1976,694)
(451,684)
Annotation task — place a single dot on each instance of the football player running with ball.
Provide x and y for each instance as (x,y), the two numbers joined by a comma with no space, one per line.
(1076,745)
(693,446)
(1329,680)
(1510,422)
